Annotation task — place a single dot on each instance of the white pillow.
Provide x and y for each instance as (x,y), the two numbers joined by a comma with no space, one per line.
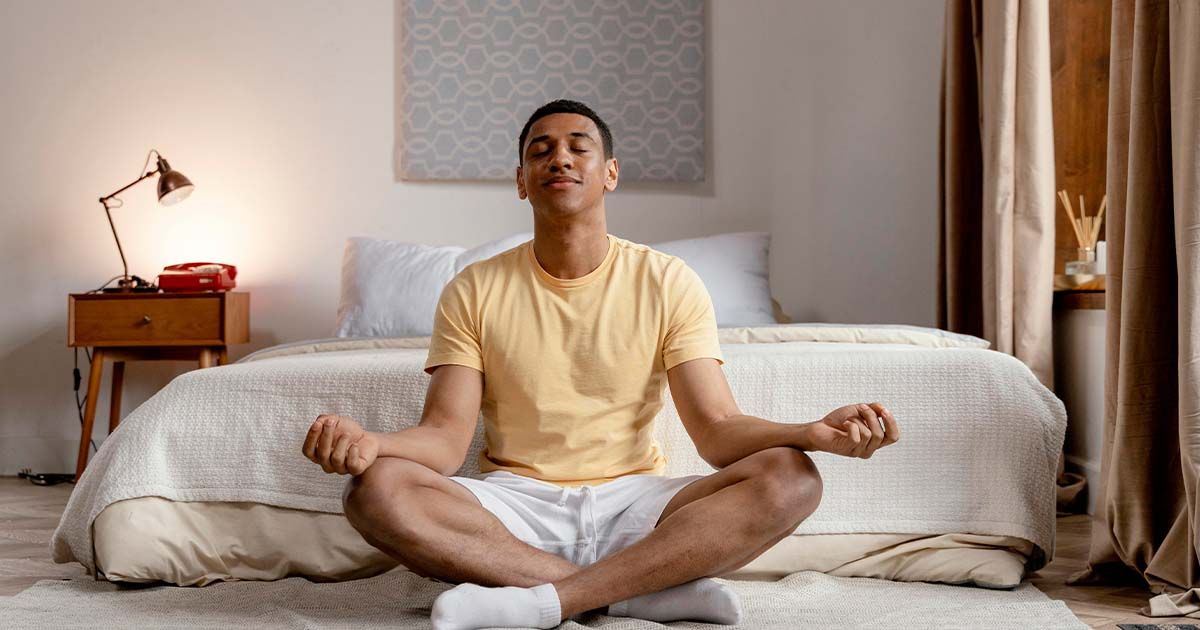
(489,249)
(391,288)
(733,268)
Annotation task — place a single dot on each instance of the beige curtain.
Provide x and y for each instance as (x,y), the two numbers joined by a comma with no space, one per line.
(996,178)
(996,185)
(1148,527)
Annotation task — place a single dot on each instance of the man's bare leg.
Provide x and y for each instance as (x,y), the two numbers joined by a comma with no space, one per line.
(701,488)
(739,521)
(437,528)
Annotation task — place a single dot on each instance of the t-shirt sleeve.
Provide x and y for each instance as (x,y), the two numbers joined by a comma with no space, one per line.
(455,337)
(691,321)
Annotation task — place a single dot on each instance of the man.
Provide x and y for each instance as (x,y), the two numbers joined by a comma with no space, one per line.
(564,343)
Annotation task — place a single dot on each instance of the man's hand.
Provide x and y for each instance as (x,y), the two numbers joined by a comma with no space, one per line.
(854,431)
(340,445)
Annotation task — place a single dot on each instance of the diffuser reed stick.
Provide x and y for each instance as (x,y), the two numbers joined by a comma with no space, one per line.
(1099,219)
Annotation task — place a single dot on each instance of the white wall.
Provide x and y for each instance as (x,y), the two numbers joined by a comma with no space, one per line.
(822,129)
(854,190)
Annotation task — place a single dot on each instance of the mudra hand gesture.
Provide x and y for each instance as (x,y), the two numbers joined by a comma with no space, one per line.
(853,430)
(340,445)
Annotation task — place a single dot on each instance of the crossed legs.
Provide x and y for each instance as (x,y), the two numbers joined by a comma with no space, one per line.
(712,526)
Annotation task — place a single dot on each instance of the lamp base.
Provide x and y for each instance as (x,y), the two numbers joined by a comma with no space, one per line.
(130,290)
(132,284)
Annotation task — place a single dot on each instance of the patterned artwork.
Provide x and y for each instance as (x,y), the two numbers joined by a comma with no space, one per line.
(471,72)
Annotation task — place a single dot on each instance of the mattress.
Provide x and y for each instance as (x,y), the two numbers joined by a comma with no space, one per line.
(978,458)
(151,539)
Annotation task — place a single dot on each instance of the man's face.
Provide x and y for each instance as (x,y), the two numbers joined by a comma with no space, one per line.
(564,168)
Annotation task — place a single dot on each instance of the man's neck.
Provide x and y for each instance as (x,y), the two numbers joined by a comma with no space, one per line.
(571,250)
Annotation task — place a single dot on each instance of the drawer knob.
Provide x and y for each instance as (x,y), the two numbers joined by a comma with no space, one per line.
(145,319)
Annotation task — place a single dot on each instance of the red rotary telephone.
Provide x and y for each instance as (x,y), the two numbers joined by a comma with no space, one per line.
(198,276)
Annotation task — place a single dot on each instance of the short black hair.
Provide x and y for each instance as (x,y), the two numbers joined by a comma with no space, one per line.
(564,106)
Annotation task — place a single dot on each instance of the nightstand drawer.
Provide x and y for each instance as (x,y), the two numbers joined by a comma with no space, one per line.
(147,321)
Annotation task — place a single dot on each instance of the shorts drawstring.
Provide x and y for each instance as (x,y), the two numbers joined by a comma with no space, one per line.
(588,524)
(587,520)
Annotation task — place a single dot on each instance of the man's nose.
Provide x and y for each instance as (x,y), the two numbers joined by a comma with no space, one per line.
(562,160)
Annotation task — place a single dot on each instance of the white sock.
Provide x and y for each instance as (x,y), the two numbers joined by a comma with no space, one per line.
(700,600)
(470,606)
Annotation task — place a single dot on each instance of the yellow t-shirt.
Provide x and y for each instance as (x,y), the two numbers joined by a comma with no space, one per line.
(574,370)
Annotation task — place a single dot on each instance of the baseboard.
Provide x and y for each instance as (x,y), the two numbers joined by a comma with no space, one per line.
(1091,472)
(38,453)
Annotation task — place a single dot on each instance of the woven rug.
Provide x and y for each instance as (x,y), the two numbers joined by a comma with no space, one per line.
(402,599)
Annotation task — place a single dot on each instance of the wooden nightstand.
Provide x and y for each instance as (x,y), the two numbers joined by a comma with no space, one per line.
(147,327)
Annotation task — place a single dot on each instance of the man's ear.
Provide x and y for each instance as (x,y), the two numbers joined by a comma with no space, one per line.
(520,184)
(610,179)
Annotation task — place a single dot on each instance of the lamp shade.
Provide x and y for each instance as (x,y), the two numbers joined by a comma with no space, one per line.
(173,187)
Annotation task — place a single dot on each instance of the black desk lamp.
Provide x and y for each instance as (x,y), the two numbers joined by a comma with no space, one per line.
(173,187)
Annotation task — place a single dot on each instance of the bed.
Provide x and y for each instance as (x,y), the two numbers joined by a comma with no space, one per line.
(205,481)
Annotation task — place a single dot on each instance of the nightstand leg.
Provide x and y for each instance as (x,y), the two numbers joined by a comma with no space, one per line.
(89,412)
(206,357)
(114,399)
(223,356)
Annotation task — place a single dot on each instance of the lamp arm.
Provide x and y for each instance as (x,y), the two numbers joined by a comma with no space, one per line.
(124,265)
(104,202)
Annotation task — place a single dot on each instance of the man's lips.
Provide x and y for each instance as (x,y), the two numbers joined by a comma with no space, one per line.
(560,183)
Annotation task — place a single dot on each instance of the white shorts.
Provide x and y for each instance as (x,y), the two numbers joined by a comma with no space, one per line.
(581,524)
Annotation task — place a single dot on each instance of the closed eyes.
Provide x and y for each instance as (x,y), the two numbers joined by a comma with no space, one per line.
(547,151)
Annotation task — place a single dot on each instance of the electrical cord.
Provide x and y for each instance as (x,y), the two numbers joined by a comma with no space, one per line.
(45,479)
(138,281)
(78,377)
(147,163)
(106,283)
(117,202)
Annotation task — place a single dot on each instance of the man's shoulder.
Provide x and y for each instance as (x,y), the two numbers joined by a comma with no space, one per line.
(502,263)
(647,255)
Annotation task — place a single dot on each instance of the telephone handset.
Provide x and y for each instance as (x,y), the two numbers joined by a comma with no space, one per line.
(198,276)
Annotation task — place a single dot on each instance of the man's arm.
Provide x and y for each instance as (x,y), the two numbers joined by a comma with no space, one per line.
(723,434)
(440,441)
(447,427)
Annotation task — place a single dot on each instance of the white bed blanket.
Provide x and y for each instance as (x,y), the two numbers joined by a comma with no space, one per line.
(979,449)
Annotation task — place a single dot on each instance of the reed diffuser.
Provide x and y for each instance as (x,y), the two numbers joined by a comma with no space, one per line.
(1087,231)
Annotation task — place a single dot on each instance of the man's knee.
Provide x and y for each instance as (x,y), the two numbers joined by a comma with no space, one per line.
(793,484)
(383,492)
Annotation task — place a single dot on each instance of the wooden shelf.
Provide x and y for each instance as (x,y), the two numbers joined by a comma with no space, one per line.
(1079,299)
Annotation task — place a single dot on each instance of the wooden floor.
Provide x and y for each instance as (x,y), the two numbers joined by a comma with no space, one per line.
(29,514)
(1097,606)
